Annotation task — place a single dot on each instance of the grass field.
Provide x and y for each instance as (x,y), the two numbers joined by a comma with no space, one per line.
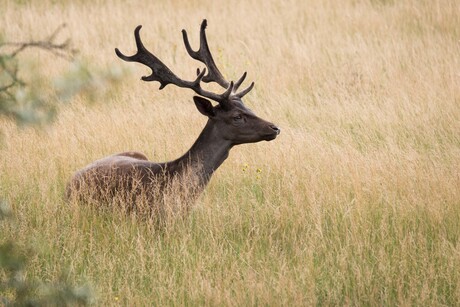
(356,203)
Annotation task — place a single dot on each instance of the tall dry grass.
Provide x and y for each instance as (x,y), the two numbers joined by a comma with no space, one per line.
(356,203)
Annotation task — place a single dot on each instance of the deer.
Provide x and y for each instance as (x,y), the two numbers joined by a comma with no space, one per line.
(229,123)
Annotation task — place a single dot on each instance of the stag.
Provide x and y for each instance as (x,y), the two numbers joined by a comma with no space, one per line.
(229,123)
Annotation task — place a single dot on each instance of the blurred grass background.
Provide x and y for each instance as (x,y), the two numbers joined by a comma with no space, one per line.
(356,203)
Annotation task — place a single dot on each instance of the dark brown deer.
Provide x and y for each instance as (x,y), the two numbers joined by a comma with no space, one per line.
(229,123)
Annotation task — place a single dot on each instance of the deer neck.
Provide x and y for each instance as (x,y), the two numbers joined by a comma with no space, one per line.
(207,153)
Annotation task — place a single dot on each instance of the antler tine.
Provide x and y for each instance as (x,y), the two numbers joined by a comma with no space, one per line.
(239,82)
(237,85)
(204,55)
(160,72)
(245,91)
(229,91)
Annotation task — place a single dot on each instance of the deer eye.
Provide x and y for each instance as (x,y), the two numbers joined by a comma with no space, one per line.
(237,117)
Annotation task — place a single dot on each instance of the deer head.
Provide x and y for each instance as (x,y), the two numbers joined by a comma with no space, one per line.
(230,118)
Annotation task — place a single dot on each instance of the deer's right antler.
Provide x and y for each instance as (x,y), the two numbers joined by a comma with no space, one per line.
(162,74)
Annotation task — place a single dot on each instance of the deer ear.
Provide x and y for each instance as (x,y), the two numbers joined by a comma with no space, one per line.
(204,106)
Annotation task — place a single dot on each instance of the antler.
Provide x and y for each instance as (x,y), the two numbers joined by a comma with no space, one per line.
(162,74)
(204,55)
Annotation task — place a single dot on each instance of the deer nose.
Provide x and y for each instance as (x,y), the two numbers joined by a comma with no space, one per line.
(276,129)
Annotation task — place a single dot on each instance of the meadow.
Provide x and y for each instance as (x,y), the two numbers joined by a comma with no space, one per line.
(357,202)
